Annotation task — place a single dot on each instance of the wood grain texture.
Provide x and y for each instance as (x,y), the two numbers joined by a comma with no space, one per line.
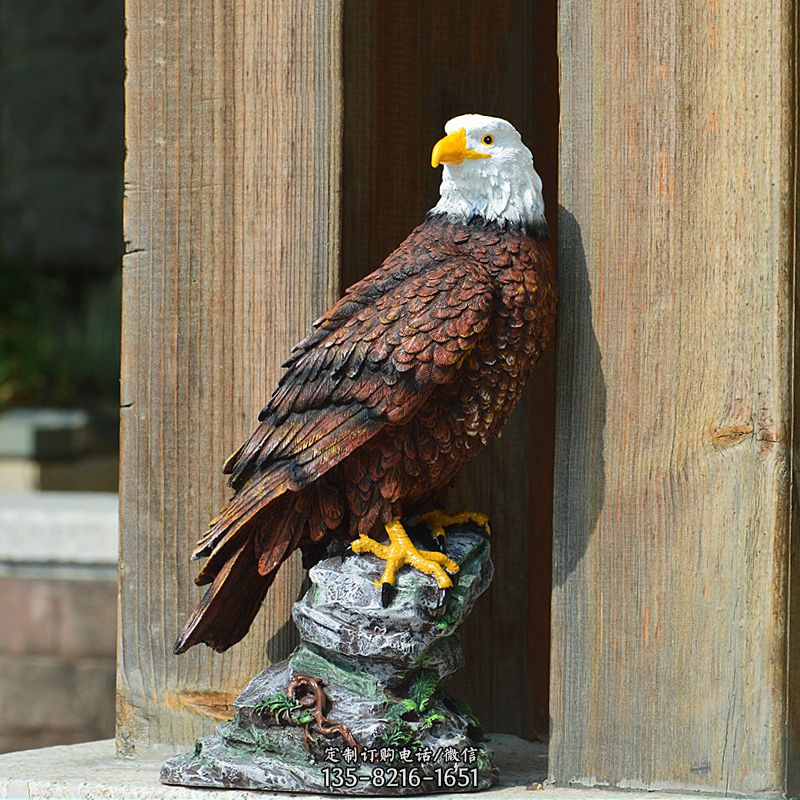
(232,221)
(409,66)
(674,395)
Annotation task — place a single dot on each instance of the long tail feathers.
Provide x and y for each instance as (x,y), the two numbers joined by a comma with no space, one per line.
(230,605)
(242,567)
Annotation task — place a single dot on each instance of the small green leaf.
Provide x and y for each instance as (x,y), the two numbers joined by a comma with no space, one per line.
(400,734)
(280,706)
(402,707)
(423,689)
(431,718)
(465,710)
(448,620)
(305,718)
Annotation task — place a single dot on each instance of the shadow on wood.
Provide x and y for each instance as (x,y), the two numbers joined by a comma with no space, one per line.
(582,388)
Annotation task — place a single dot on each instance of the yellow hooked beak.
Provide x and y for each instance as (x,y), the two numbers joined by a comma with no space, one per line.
(453,149)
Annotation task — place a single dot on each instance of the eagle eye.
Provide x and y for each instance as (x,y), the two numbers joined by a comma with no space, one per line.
(488,139)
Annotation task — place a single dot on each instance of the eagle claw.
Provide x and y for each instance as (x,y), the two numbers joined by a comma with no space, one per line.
(399,552)
(438,522)
(387,594)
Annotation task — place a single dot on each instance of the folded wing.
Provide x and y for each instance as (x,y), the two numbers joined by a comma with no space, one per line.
(371,361)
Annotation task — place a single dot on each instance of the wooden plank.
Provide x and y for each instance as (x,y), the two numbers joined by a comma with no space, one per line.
(409,66)
(674,396)
(232,221)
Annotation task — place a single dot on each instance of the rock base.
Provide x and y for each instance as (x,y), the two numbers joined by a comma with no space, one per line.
(358,708)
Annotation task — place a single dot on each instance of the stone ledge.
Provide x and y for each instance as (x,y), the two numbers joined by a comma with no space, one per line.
(92,770)
(74,532)
(43,433)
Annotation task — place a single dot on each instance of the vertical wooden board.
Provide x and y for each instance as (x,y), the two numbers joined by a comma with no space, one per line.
(793,605)
(409,66)
(233,134)
(673,395)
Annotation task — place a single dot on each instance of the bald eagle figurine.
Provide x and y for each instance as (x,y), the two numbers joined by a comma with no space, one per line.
(396,388)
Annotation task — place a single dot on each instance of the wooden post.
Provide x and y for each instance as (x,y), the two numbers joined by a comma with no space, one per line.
(672,605)
(232,220)
(235,161)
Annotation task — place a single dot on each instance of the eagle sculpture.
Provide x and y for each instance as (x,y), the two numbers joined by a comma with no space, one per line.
(396,388)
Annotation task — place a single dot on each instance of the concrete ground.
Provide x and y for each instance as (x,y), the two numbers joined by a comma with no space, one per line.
(93,771)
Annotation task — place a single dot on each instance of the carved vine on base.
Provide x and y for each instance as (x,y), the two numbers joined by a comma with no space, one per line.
(304,704)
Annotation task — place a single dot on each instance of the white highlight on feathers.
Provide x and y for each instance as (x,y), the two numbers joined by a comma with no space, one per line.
(504,188)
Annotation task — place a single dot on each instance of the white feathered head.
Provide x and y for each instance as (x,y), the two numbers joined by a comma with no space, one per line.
(488,173)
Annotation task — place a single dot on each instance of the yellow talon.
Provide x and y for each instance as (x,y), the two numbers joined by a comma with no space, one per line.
(437,521)
(400,551)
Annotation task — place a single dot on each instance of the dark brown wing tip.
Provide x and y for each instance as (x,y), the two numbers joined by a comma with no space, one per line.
(197,630)
(230,461)
(186,641)
(201,551)
(228,607)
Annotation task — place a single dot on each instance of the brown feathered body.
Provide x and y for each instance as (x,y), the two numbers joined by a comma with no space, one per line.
(398,386)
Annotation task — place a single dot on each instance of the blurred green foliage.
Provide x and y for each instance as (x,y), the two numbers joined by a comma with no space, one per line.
(59,338)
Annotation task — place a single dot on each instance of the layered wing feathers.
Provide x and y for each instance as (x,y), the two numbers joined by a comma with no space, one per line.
(371,361)
(371,366)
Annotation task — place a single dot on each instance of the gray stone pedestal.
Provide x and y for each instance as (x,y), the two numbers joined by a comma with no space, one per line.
(358,708)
